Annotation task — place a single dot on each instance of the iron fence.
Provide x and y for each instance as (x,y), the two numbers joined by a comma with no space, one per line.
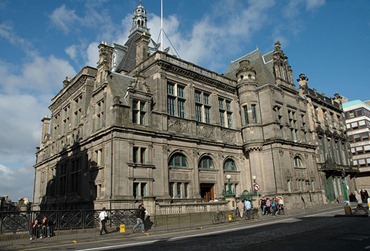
(16,222)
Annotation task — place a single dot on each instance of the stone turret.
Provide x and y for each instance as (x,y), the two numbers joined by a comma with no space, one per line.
(245,72)
(303,83)
(105,61)
(45,130)
(142,48)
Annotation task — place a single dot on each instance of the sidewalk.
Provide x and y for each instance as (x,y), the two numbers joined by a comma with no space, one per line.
(71,239)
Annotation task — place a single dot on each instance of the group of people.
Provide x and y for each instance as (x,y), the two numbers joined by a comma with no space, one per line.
(140,219)
(268,206)
(40,228)
(272,206)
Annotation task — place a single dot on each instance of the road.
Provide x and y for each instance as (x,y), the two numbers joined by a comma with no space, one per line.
(313,232)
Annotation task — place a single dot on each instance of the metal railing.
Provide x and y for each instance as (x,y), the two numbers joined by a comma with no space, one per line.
(16,222)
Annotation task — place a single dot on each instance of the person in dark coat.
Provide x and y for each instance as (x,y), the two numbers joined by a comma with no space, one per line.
(140,216)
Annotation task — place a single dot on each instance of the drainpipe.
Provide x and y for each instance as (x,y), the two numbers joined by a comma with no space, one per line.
(111,172)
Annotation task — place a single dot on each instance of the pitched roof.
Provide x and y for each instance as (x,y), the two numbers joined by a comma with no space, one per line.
(261,63)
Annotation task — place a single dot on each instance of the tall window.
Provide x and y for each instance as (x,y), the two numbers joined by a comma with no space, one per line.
(56,123)
(66,111)
(186,190)
(179,192)
(100,111)
(75,176)
(330,149)
(298,162)
(171,189)
(225,112)
(139,155)
(229,165)
(337,152)
(99,157)
(78,110)
(245,112)
(139,189)
(62,178)
(202,107)
(279,117)
(254,113)
(322,148)
(175,100)
(293,125)
(178,160)
(206,163)
(138,112)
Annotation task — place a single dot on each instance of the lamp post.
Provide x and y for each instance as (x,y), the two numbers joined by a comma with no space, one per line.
(229,192)
(253,188)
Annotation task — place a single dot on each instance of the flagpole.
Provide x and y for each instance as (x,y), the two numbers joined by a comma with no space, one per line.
(161,32)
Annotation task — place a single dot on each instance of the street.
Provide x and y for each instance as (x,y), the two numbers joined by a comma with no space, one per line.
(316,232)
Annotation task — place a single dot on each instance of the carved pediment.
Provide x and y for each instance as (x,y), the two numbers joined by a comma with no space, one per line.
(140,86)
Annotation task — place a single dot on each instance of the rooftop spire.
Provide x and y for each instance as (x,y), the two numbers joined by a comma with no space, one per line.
(139,19)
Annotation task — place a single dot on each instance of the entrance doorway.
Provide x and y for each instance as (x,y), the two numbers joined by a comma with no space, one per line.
(207,191)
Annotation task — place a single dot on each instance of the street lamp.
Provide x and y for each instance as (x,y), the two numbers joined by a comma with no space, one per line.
(228,177)
(254,177)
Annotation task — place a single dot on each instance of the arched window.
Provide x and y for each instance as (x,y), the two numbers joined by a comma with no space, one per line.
(298,162)
(178,160)
(206,163)
(229,165)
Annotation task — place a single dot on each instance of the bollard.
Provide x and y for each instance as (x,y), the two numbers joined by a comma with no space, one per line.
(122,228)
(347,208)
(230,217)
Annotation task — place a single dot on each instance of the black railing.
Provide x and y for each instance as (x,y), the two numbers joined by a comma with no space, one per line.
(14,222)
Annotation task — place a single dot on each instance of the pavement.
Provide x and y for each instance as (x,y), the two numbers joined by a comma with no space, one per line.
(80,239)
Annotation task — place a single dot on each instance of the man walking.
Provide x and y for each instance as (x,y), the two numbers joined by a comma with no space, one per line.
(247,208)
(140,216)
(103,217)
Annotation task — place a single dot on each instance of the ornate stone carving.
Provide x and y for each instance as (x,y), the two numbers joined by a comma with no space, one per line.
(177,125)
(228,135)
(205,131)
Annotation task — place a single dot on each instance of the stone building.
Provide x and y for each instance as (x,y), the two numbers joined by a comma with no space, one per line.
(146,125)
(357,115)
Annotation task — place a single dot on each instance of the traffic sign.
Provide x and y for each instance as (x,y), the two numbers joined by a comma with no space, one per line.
(256,186)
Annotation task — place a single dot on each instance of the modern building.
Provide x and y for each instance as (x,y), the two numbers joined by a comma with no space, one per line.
(146,124)
(357,115)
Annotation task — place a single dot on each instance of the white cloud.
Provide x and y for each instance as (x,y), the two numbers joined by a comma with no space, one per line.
(64,18)
(25,93)
(314,4)
(6,32)
(71,51)
(17,182)
(92,54)
(222,26)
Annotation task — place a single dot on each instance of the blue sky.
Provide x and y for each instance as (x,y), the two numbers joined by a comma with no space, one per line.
(44,41)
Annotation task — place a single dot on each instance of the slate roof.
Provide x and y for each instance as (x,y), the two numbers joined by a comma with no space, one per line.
(261,63)
(129,60)
(119,84)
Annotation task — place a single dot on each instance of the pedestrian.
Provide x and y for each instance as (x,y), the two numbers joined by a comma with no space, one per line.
(273,206)
(268,205)
(33,229)
(263,205)
(140,216)
(281,205)
(241,208)
(103,217)
(45,228)
(358,198)
(247,208)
